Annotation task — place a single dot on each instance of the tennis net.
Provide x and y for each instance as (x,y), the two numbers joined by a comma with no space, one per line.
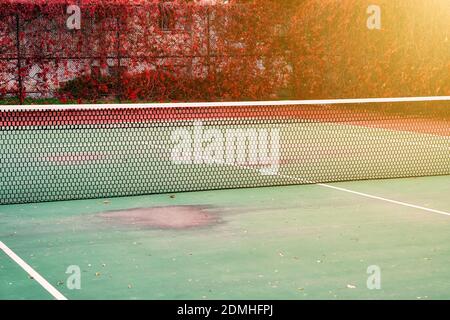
(66,152)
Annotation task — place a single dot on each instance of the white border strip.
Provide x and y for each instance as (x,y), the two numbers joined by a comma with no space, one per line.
(61,107)
(36,276)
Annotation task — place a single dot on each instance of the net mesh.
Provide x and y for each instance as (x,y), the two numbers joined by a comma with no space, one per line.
(78,152)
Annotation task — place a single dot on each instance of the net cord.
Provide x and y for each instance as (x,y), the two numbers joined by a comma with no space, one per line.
(106,106)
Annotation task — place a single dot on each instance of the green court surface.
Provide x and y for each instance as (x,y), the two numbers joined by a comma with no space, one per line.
(296,242)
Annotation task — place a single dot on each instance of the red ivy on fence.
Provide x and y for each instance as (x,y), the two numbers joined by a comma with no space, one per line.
(192,50)
(147,50)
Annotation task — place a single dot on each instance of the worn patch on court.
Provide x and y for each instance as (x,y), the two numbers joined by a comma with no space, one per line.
(167,217)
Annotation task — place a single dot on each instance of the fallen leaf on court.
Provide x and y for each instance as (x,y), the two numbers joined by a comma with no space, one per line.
(351,286)
(97,274)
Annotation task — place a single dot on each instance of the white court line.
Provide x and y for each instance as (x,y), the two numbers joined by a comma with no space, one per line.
(366,195)
(401,203)
(32,273)
(60,107)
(384,199)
